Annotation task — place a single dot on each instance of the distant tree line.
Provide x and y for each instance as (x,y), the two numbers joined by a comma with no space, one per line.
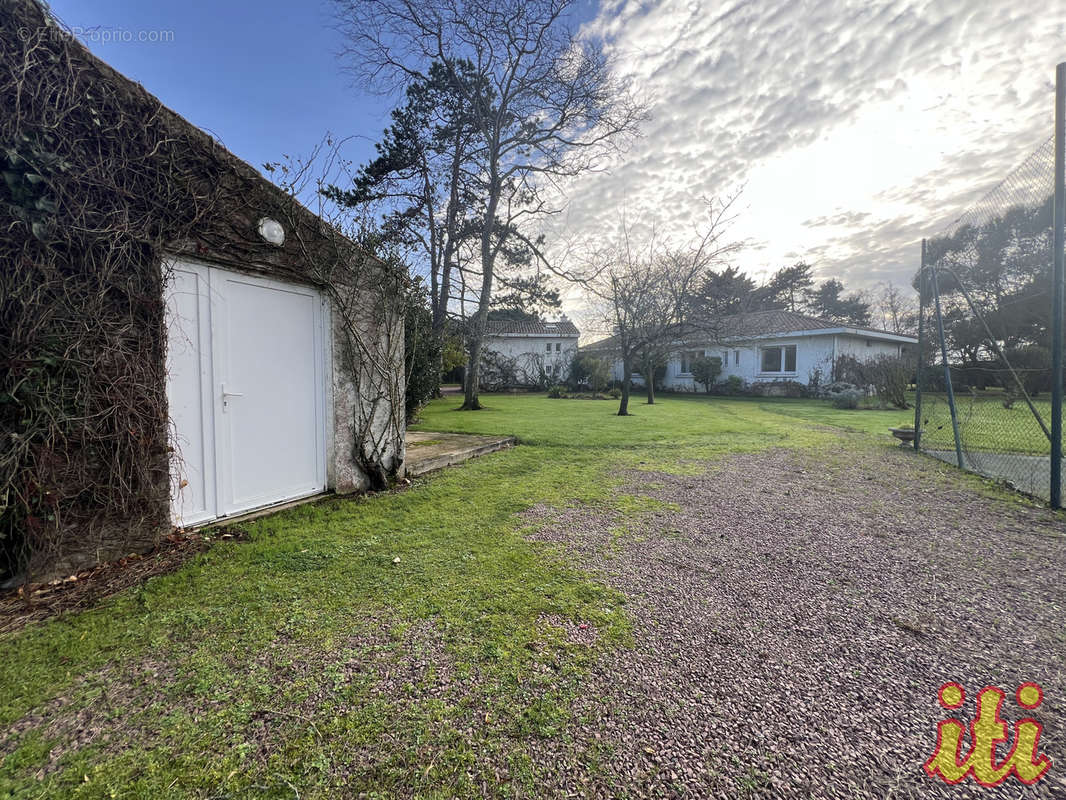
(1004,265)
(729,291)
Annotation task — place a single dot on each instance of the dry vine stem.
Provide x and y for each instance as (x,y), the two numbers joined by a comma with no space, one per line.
(100,184)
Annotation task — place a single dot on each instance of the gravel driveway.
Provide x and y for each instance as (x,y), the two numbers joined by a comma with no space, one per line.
(794,621)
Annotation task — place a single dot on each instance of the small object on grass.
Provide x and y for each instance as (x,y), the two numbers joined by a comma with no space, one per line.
(396,560)
(905,433)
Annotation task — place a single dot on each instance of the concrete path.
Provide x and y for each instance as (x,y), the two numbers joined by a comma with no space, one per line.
(427,450)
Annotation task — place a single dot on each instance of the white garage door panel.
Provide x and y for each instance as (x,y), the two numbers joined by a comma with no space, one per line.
(188,396)
(246,387)
(270,409)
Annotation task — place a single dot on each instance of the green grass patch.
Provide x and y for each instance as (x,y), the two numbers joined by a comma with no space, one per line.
(351,646)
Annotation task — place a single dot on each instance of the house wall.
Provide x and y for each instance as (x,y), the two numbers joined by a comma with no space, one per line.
(816,352)
(529,354)
(865,349)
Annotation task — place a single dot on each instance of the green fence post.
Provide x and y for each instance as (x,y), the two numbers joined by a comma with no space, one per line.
(947,371)
(1059,221)
(921,354)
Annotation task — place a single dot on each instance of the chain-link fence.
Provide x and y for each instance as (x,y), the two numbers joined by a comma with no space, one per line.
(984,397)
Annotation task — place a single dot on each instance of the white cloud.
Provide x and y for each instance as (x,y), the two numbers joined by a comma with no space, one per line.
(856,126)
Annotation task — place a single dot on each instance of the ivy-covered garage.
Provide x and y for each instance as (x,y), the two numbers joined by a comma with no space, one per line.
(181,339)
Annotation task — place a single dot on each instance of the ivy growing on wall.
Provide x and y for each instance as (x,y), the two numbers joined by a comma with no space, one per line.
(99,180)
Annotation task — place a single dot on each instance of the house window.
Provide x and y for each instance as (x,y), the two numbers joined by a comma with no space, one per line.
(548,348)
(558,346)
(687,358)
(736,358)
(779,359)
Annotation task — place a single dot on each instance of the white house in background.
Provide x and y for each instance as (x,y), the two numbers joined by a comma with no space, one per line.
(527,353)
(766,346)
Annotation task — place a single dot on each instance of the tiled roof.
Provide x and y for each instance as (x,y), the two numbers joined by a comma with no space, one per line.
(757,323)
(762,323)
(503,327)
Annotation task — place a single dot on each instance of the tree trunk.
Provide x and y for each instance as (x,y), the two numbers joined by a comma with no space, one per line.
(473,375)
(488,260)
(623,407)
(649,381)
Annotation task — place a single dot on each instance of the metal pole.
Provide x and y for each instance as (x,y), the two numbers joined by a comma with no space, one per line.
(921,354)
(947,371)
(1059,218)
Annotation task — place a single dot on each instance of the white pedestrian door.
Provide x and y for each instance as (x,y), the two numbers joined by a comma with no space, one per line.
(246,389)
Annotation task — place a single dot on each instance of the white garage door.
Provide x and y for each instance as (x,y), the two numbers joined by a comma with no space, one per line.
(246,388)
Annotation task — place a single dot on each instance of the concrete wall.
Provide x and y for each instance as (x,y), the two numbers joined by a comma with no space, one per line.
(367,426)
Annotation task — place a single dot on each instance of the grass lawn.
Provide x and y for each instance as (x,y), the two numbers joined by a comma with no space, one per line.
(297,663)
(985,425)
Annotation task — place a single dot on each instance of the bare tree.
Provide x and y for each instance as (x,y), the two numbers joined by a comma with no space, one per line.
(897,311)
(542,99)
(643,294)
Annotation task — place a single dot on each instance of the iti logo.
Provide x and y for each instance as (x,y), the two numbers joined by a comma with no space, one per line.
(987,732)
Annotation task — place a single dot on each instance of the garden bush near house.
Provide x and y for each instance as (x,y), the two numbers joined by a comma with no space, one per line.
(731,387)
(589,371)
(890,376)
(497,372)
(848,399)
(779,389)
(422,355)
(848,369)
(706,370)
(814,382)
(560,392)
(830,390)
(658,376)
(842,394)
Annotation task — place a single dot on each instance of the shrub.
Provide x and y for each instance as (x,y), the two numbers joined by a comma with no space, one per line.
(422,354)
(588,370)
(498,372)
(779,389)
(890,376)
(706,370)
(848,369)
(558,392)
(814,382)
(1033,365)
(831,390)
(847,399)
(614,393)
(734,385)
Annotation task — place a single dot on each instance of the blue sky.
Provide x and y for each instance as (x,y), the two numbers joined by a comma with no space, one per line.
(854,128)
(262,76)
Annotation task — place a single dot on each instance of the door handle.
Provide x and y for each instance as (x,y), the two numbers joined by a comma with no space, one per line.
(227,395)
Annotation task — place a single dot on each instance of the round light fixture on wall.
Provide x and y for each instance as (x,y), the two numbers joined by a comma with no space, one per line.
(271,231)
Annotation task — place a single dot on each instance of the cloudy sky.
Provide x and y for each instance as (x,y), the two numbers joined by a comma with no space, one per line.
(855,127)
